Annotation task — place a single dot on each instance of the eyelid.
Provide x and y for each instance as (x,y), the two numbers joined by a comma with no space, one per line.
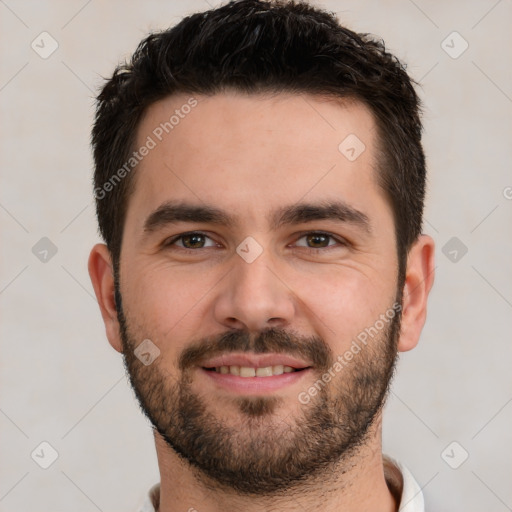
(341,242)
(168,242)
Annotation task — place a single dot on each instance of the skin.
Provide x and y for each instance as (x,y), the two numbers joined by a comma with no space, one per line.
(250,155)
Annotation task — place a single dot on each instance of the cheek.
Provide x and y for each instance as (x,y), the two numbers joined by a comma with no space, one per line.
(166,304)
(342,303)
(173,305)
(164,293)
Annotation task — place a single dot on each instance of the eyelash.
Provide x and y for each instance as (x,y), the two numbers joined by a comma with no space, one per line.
(169,243)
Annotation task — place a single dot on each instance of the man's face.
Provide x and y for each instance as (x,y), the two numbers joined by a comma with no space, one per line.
(254,305)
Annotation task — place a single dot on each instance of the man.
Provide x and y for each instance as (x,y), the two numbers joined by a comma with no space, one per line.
(259,184)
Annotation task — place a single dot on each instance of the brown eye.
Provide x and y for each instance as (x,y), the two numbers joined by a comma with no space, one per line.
(194,240)
(319,241)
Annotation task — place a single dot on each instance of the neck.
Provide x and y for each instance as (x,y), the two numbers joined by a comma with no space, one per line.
(354,485)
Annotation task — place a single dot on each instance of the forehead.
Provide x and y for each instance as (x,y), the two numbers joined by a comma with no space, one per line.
(253,152)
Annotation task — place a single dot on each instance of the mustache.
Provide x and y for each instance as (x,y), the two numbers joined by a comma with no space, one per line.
(312,349)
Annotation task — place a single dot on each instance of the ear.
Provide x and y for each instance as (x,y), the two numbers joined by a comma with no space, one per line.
(419,279)
(101,273)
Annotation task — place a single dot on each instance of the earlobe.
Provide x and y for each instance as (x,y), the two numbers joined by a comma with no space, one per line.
(102,277)
(418,283)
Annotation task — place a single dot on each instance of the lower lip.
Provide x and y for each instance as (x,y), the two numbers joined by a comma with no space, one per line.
(255,385)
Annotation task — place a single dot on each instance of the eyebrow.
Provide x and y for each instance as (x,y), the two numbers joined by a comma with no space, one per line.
(172,212)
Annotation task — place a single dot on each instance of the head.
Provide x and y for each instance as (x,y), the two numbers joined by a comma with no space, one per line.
(259,182)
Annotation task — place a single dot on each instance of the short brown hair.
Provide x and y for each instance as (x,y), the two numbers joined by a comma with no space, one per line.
(263,46)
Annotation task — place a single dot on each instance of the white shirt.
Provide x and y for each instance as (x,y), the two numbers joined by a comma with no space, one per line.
(399,479)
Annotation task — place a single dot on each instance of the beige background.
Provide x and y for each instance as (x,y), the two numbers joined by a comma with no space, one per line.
(60,380)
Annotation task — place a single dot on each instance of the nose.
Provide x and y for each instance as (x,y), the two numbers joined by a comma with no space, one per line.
(254,296)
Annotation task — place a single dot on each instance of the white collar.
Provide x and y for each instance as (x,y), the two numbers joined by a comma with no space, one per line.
(411,496)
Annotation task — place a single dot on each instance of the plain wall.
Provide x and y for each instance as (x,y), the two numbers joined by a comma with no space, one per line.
(60,380)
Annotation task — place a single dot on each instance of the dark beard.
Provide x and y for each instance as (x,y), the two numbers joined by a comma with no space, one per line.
(266,456)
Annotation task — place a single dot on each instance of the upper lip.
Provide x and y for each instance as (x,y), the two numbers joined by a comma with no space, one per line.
(254,361)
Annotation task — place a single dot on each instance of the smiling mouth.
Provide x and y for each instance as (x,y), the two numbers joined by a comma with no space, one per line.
(247,371)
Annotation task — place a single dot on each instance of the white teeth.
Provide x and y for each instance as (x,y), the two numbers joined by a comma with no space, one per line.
(278,369)
(246,371)
(264,372)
